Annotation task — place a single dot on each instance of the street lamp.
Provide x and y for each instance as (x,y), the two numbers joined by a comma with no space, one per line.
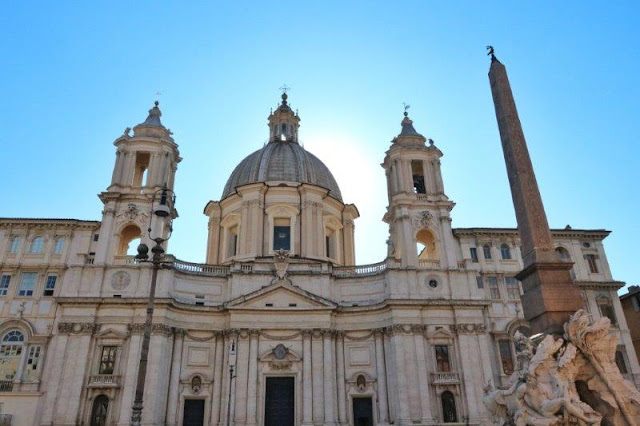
(232,364)
(162,207)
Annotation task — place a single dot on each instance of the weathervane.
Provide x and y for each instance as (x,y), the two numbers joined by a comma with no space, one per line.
(406,107)
(284,88)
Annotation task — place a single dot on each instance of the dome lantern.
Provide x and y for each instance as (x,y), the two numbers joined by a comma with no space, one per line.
(283,122)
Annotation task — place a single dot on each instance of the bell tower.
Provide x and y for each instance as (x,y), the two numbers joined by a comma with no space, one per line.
(418,212)
(145,163)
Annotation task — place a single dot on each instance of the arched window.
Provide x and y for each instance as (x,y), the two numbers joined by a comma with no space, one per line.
(486,251)
(505,251)
(449,414)
(426,247)
(99,411)
(563,255)
(37,245)
(129,240)
(10,354)
(15,244)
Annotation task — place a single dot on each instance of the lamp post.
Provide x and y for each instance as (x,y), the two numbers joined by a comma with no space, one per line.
(232,363)
(163,210)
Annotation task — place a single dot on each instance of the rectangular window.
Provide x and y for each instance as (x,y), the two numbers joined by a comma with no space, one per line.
(282,234)
(57,249)
(620,362)
(606,310)
(27,284)
(592,262)
(474,254)
(442,358)
(50,286)
(108,359)
(4,284)
(513,289)
(95,237)
(418,177)
(479,282)
(494,291)
(506,356)
(31,369)
(486,251)
(232,241)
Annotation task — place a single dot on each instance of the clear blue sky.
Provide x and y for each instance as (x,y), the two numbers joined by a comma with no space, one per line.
(75,74)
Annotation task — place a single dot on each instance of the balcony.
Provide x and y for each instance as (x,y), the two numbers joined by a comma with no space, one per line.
(445,378)
(6,385)
(429,263)
(124,260)
(104,381)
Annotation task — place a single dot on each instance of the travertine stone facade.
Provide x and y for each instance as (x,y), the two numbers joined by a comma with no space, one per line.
(414,337)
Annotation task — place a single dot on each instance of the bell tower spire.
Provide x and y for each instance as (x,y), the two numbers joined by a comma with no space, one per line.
(146,162)
(550,296)
(418,213)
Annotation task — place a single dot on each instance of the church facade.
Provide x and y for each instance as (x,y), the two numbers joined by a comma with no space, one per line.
(279,326)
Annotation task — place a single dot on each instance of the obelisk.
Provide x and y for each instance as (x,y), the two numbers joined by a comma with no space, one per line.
(550,296)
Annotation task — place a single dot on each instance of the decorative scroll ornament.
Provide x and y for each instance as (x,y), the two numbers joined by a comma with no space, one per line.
(196,384)
(120,280)
(280,359)
(553,386)
(422,219)
(281,262)
(77,328)
(469,328)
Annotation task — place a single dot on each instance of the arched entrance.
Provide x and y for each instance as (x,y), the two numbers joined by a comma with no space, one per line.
(99,411)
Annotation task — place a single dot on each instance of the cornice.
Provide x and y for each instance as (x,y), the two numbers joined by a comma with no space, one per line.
(46,223)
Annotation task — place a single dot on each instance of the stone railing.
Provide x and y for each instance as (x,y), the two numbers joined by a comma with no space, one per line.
(124,260)
(445,378)
(89,259)
(429,263)
(104,380)
(201,268)
(359,270)
(6,385)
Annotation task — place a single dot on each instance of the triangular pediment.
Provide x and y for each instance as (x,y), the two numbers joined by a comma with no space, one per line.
(281,296)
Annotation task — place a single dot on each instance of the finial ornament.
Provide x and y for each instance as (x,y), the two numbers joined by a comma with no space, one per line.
(491,52)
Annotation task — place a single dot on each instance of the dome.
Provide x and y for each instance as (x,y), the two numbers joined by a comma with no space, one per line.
(282,161)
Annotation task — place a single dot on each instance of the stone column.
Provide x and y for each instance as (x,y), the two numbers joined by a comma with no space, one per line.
(329,369)
(342,398)
(129,378)
(252,385)
(53,365)
(318,382)
(216,397)
(403,415)
(438,177)
(381,376)
(472,377)
(307,384)
(241,377)
(423,378)
(72,385)
(174,383)
(157,376)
